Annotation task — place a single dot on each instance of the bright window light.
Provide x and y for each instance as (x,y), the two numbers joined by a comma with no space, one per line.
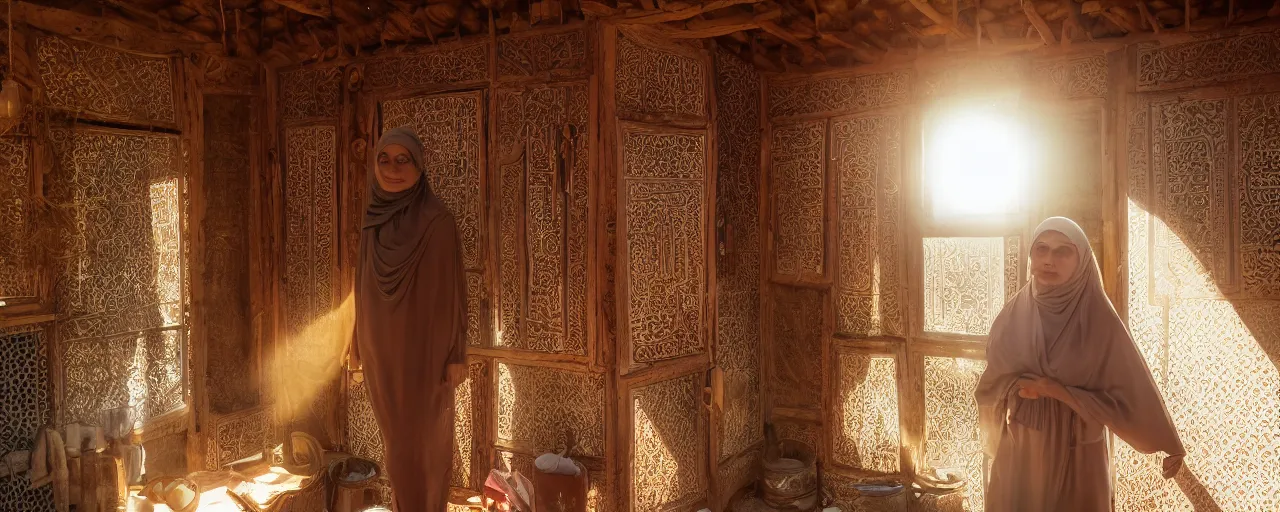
(976,162)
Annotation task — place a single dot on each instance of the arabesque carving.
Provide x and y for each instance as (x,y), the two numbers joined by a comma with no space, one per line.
(537,406)
(668,463)
(24,395)
(1258,194)
(799,182)
(663,206)
(659,82)
(237,437)
(17,272)
(867,435)
(534,55)
(469,63)
(951,440)
(1080,77)
(1207,61)
(964,284)
(104,82)
(797,348)
(840,94)
(310,93)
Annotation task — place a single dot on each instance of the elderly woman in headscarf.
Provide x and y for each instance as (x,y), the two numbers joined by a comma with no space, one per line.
(1060,367)
(411,319)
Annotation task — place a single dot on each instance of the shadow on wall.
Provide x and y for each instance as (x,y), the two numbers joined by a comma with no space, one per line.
(1213,345)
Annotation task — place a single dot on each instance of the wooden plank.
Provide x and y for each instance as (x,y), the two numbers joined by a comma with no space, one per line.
(1038,22)
(937,17)
(810,52)
(703,29)
(108,32)
(1148,17)
(675,16)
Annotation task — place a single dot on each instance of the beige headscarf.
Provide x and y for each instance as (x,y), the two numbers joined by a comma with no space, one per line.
(1073,335)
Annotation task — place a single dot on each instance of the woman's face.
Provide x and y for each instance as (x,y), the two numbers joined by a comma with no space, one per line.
(396,170)
(1054,259)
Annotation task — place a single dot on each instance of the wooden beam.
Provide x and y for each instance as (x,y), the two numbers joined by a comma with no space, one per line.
(1038,22)
(106,31)
(702,29)
(1119,20)
(1146,15)
(937,17)
(161,24)
(778,31)
(1186,13)
(653,17)
(319,8)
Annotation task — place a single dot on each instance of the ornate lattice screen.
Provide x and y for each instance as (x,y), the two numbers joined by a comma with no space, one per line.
(121,289)
(24,409)
(1202,270)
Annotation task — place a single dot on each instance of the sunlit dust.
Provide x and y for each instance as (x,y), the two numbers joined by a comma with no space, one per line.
(976,161)
(312,358)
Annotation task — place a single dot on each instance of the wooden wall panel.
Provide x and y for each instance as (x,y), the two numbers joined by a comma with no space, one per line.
(738,277)
(106,83)
(542,219)
(952,443)
(310,260)
(120,291)
(446,66)
(232,359)
(798,181)
(552,55)
(868,169)
(450,126)
(538,406)
(662,243)
(24,409)
(668,464)
(796,368)
(865,434)
(310,94)
(659,80)
(839,94)
(17,228)
(1201,301)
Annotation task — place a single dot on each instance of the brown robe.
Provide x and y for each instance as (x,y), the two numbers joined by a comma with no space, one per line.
(1047,456)
(411,319)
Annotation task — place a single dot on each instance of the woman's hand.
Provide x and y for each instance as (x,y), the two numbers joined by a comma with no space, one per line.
(455,374)
(1034,386)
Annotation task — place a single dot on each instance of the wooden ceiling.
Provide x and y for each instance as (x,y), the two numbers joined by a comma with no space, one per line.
(776,34)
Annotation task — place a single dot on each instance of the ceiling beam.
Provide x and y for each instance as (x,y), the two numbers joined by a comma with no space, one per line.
(321,8)
(937,17)
(810,51)
(655,17)
(702,29)
(1038,22)
(1146,15)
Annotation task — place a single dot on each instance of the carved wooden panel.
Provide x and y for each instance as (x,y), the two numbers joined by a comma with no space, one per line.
(738,264)
(798,166)
(1211,359)
(663,242)
(120,285)
(17,272)
(228,336)
(866,434)
(468,63)
(239,436)
(1074,77)
(668,462)
(840,94)
(1189,172)
(364,436)
(310,259)
(1258,193)
(106,83)
(964,284)
(536,55)
(542,219)
(797,348)
(738,473)
(1207,61)
(24,409)
(1015,266)
(868,164)
(537,406)
(802,431)
(472,411)
(310,93)
(951,439)
(449,126)
(658,81)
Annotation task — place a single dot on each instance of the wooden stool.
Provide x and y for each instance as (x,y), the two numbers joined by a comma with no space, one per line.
(354,495)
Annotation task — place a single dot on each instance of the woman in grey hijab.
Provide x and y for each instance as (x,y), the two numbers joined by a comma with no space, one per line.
(411,318)
(1060,367)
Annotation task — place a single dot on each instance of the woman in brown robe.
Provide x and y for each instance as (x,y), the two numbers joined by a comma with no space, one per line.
(1060,367)
(411,319)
